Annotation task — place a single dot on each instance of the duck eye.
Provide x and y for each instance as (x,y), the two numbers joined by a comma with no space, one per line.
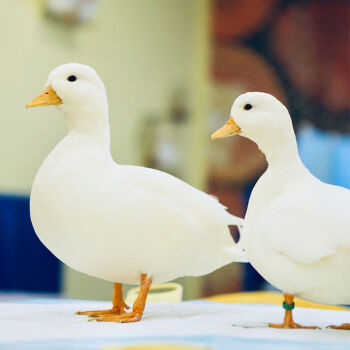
(248,106)
(72,78)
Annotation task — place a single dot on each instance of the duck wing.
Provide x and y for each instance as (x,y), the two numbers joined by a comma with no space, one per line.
(169,194)
(205,206)
(310,223)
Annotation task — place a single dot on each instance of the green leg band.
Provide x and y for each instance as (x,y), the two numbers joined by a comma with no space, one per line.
(288,306)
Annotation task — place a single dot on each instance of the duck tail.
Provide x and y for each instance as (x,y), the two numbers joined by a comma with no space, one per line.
(237,250)
(237,253)
(235,220)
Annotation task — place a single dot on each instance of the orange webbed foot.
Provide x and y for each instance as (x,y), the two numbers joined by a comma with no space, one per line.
(288,322)
(344,326)
(138,307)
(119,305)
(113,311)
(291,325)
(125,318)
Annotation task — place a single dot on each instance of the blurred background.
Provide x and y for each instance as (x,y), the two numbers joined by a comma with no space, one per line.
(172,69)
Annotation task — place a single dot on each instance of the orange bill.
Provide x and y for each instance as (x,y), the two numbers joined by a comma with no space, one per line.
(48,97)
(229,129)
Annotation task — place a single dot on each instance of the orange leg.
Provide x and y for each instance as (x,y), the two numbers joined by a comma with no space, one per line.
(288,321)
(137,309)
(118,307)
(344,326)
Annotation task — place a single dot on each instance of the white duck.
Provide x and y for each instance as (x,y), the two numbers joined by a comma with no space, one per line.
(296,230)
(121,223)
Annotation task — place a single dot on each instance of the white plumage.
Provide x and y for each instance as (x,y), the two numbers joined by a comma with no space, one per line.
(297,235)
(116,222)
(297,229)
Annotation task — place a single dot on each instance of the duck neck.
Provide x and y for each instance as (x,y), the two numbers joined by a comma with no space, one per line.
(281,152)
(91,122)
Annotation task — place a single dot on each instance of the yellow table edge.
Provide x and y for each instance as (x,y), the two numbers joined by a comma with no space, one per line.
(270,298)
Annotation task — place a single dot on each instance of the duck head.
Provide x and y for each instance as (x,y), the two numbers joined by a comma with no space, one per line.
(260,117)
(76,90)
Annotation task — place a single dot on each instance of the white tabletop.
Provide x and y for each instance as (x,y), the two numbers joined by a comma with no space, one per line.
(51,324)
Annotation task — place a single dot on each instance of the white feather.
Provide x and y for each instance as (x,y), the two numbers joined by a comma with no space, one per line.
(117,221)
(297,228)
